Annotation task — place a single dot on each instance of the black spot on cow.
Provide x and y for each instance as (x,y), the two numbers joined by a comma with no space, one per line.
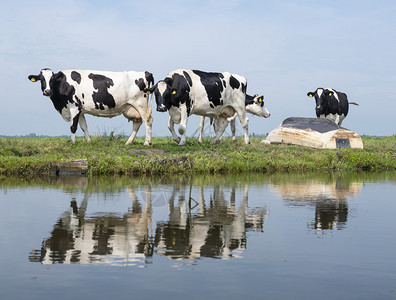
(62,91)
(243,88)
(76,76)
(78,101)
(102,96)
(82,95)
(211,105)
(212,83)
(180,84)
(224,83)
(188,78)
(249,100)
(140,83)
(234,83)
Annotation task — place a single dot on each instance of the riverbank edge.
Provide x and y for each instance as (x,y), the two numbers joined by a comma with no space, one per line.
(109,156)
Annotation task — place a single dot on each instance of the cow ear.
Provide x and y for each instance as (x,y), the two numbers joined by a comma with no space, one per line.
(34,78)
(310,94)
(149,77)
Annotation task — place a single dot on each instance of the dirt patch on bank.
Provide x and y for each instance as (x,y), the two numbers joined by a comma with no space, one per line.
(147,152)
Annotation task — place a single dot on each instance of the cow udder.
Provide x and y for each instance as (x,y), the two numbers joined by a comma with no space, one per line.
(132,114)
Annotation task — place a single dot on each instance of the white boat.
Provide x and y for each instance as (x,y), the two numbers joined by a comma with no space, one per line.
(314,132)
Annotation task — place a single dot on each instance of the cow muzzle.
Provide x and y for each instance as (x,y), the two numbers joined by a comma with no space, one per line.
(161,108)
(47,93)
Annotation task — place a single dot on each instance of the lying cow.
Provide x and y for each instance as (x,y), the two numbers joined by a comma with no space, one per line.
(331,104)
(187,92)
(75,93)
(254,105)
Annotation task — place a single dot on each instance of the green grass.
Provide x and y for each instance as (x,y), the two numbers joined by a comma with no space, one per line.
(109,156)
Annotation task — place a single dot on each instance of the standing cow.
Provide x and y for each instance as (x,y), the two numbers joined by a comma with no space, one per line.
(187,92)
(75,93)
(254,105)
(331,104)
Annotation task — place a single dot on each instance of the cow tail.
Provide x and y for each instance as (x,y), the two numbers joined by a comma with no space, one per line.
(354,103)
(150,108)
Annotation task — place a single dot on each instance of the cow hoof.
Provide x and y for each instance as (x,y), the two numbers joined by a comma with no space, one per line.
(177,140)
(147,143)
(182,143)
(214,142)
(265,142)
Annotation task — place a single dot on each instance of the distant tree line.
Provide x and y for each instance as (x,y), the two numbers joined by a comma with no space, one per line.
(30,135)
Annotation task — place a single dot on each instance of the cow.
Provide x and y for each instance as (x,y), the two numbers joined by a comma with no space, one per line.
(75,93)
(186,92)
(331,104)
(254,105)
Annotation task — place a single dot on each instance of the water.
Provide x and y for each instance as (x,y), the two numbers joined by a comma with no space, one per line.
(250,236)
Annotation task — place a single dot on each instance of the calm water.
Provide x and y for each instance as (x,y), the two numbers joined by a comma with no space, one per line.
(245,237)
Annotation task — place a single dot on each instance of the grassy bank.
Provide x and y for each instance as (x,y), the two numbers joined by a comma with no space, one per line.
(109,155)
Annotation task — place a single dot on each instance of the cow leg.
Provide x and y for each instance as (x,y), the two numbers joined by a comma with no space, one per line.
(171,127)
(75,116)
(183,124)
(201,129)
(339,119)
(219,126)
(148,123)
(84,127)
(232,124)
(135,127)
(244,122)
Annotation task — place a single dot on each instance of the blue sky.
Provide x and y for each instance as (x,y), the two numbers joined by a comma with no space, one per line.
(284,49)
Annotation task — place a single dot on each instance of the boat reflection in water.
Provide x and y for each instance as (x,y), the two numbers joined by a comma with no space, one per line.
(328,197)
(212,226)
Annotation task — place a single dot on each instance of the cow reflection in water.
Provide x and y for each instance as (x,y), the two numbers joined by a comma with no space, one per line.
(215,231)
(80,239)
(329,199)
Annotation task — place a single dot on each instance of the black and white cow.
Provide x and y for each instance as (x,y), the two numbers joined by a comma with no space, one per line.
(187,92)
(254,105)
(75,93)
(331,104)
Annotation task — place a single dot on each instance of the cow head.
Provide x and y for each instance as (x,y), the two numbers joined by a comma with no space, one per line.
(322,98)
(255,105)
(163,93)
(45,78)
